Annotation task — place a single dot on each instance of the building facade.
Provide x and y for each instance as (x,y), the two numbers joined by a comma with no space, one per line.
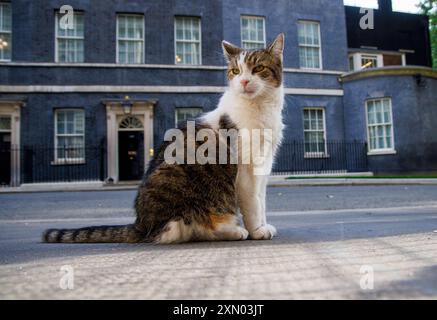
(91,94)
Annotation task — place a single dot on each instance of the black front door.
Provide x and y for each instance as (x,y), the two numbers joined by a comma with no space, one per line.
(131,155)
(5,158)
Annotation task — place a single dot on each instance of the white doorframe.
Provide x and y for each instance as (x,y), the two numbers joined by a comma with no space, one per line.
(114,111)
(13,110)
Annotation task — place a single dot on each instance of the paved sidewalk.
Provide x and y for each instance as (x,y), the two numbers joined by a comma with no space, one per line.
(283,181)
(318,255)
(274,181)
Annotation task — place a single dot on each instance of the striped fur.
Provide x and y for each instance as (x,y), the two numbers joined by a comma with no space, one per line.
(175,203)
(265,63)
(180,203)
(100,234)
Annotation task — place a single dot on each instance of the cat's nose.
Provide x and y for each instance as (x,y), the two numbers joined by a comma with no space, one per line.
(244,83)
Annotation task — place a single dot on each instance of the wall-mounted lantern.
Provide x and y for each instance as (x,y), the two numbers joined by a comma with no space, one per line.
(127,105)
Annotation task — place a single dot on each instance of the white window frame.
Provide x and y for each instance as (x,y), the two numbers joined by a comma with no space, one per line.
(143,40)
(351,59)
(2,4)
(380,151)
(404,59)
(358,57)
(323,154)
(188,41)
(185,109)
(258,18)
(57,37)
(375,57)
(69,160)
(312,46)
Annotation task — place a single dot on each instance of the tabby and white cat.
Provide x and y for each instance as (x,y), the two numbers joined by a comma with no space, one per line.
(254,100)
(199,202)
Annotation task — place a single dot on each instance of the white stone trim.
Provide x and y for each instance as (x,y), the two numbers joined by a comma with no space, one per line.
(13,109)
(382,152)
(151,66)
(111,89)
(112,65)
(153,89)
(314,92)
(314,71)
(114,111)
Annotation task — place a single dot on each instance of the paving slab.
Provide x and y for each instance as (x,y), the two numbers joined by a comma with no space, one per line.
(375,253)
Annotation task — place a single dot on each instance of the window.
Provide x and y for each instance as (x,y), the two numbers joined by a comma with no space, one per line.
(5,124)
(369,61)
(187,41)
(380,125)
(70,42)
(183,115)
(309,45)
(5,31)
(351,63)
(253,33)
(360,61)
(314,132)
(131,123)
(130,39)
(394,59)
(70,135)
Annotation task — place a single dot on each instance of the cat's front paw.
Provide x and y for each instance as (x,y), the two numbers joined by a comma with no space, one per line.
(266,232)
(244,234)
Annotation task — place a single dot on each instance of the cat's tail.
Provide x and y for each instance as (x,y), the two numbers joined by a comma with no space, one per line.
(100,234)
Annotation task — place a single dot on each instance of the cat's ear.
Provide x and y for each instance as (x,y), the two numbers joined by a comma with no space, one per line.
(277,47)
(230,50)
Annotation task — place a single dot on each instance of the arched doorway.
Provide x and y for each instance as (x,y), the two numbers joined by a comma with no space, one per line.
(130,148)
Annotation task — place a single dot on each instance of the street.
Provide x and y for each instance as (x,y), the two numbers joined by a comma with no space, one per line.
(361,242)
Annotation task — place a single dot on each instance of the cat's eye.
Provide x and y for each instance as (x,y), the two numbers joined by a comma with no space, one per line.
(258,69)
(235,71)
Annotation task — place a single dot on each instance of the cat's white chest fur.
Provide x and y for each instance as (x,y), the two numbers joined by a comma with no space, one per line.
(264,113)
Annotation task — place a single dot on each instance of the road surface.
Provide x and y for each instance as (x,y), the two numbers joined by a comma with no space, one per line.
(333,243)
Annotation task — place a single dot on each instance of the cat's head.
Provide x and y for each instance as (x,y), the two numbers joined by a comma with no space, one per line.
(252,73)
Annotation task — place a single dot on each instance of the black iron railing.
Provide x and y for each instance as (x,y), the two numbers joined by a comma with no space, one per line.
(42,164)
(62,164)
(331,157)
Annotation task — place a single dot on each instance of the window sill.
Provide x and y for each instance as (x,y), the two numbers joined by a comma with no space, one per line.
(381,152)
(311,69)
(121,64)
(197,65)
(69,162)
(316,156)
(65,63)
